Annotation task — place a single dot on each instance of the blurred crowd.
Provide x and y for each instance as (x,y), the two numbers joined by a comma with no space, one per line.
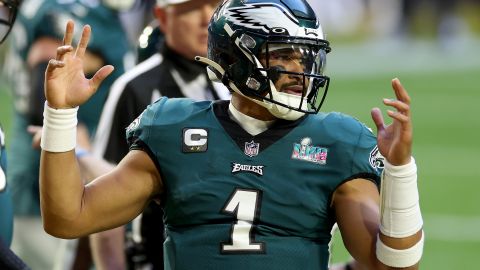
(135,32)
(407,18)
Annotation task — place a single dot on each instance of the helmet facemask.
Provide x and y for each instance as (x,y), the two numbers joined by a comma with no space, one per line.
(294,71)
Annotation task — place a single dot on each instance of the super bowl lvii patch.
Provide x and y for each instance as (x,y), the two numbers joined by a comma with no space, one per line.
(307,152)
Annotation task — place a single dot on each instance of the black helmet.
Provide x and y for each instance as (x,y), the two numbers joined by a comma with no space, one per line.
(255,43)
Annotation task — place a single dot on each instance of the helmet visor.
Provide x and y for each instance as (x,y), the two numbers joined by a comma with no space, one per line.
(295,58)
(292,67)
(296,68)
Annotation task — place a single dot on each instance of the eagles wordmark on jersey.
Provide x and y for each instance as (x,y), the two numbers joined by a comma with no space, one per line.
(253,201)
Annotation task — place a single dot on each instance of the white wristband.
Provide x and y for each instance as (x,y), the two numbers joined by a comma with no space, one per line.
(399,257)
(400,214)
(59,132)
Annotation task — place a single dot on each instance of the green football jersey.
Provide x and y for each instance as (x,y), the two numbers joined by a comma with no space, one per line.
(6,211)
(237,201)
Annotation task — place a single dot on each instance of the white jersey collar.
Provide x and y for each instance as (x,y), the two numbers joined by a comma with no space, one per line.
(251,125)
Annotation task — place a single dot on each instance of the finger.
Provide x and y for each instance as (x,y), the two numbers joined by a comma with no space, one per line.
(400,91)
(36,140)
(399,116)
(378,119)
(399,105)
(36,132)
(82,45)
(62,51)
(68,36)
(33,129)
(101,74)
(54,64)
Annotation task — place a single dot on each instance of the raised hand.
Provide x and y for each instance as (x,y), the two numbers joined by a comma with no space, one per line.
(65,82)
(395,140)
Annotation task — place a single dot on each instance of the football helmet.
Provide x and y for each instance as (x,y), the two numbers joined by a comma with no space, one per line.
(8,14)
(272,52)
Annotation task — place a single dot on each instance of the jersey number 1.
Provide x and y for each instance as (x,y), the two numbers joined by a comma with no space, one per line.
(245,205)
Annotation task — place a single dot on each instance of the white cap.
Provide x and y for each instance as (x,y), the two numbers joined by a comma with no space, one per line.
(164,3)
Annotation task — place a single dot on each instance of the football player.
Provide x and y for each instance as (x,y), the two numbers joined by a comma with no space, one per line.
(257,182)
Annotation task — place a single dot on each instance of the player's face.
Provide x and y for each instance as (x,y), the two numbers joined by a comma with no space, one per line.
(294,61)
(186,26)
(7,16)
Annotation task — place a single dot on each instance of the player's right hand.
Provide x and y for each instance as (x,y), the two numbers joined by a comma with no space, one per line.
(65,82)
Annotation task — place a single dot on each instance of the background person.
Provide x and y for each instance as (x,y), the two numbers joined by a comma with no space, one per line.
(172,72)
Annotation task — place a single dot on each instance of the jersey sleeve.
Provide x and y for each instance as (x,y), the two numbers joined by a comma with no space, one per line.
(367,162)
(139,132)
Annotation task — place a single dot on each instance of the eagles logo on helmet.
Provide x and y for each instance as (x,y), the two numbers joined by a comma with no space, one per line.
(252,45)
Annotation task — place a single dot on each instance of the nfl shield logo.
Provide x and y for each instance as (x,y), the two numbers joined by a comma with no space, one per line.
(251,148)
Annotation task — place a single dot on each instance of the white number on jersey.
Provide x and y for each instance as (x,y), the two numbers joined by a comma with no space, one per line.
(245,205)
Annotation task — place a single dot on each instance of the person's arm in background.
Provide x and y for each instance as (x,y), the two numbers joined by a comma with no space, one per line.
(41,51)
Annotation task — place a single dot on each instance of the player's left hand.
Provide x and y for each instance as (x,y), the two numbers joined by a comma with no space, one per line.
(395,140)
(65,83)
